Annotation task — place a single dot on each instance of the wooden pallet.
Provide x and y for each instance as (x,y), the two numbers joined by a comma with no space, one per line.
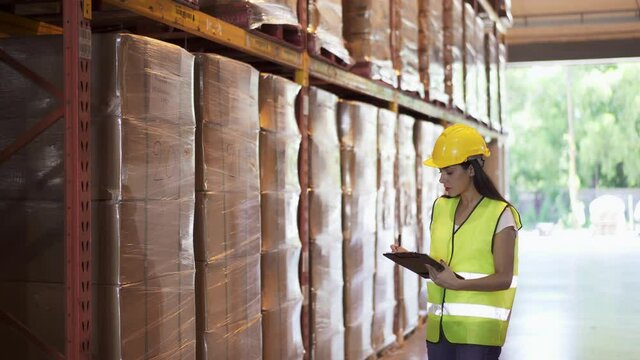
(321,53)
(240,15)
(367,70)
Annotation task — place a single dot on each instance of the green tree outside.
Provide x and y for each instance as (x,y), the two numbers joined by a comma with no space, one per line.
(607,132)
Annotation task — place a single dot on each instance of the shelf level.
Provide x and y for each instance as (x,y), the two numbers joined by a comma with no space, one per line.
(211,28)
(216,30)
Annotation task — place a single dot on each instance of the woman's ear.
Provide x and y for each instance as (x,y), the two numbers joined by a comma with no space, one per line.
(471,171)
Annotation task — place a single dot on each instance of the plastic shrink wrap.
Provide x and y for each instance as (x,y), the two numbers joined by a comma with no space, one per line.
(491,50)
(325,22)
(408,33)
(253,13)
(470,62)
(453,25)
(325,227)
(280,193)
(502,84)
(428,189)
(227,219)
(367,31)
(483,75)
(431,49)
(358,131)
(407,220)
(384,301)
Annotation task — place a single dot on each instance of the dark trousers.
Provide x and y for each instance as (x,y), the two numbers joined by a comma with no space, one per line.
(444,350)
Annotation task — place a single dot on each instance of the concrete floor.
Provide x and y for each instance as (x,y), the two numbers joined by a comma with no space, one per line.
(578,299)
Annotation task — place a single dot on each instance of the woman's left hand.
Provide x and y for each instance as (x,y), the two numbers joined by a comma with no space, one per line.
(445,278)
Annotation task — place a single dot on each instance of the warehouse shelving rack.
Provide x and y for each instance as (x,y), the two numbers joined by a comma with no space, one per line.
(74,108)
(196,31)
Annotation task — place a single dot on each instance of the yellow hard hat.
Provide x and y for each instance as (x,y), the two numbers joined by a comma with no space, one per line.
(456,145)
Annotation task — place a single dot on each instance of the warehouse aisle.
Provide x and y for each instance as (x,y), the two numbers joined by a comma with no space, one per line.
(413,349)
(578,298)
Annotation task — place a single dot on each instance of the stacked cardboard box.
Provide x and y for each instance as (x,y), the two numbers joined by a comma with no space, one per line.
(502,82)
(142,157)
(357,127)
(491,51)
(227,219)
(428,189)
(431,49)
(483,80)
(253,13)
(408,61)
(325,227)
(367,30)
(384,301)
(470,61)
(325,22)
(143,129)
(453,24)
(280,193)
(407,221)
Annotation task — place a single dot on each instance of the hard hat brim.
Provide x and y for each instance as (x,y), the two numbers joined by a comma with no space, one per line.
(429,162)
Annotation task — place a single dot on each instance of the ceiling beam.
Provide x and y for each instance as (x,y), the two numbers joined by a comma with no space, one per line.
(577,50)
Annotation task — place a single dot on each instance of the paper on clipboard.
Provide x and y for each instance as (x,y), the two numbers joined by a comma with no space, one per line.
(416,262)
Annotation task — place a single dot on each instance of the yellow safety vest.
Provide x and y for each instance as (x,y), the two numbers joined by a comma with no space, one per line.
(469,317)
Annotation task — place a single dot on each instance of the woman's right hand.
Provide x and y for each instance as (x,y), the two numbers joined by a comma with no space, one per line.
(397,248)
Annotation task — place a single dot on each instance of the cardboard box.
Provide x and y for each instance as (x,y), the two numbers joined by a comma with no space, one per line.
(280,192)
(155,318)
(252,14)
(407,51)
(327,297)
(227,161)
(228,308)
(277,103)
(453,52)
(141,79)
(324,146)
(135,241)
(367,32)
(279,273)
(226,224)
(279,221)
(384,284)
(357,128)
(227,94)
(134,160)
(407,221)
(143,123)
(325,214)
(281,330)
(325,22)
(279,162)
(358,317)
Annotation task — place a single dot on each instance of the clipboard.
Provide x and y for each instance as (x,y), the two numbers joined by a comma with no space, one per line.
(416,262)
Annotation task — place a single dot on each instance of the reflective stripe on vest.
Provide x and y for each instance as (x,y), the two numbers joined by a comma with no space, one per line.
(474,310)
(471,276)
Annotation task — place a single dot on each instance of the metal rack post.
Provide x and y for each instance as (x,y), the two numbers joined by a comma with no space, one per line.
(77,113)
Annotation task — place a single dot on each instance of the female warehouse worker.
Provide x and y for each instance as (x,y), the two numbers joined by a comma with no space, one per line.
(474,233)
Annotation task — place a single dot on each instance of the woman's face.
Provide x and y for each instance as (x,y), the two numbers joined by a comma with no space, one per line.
(456,179)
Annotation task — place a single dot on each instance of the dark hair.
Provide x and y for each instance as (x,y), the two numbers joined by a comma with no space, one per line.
(482,181)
